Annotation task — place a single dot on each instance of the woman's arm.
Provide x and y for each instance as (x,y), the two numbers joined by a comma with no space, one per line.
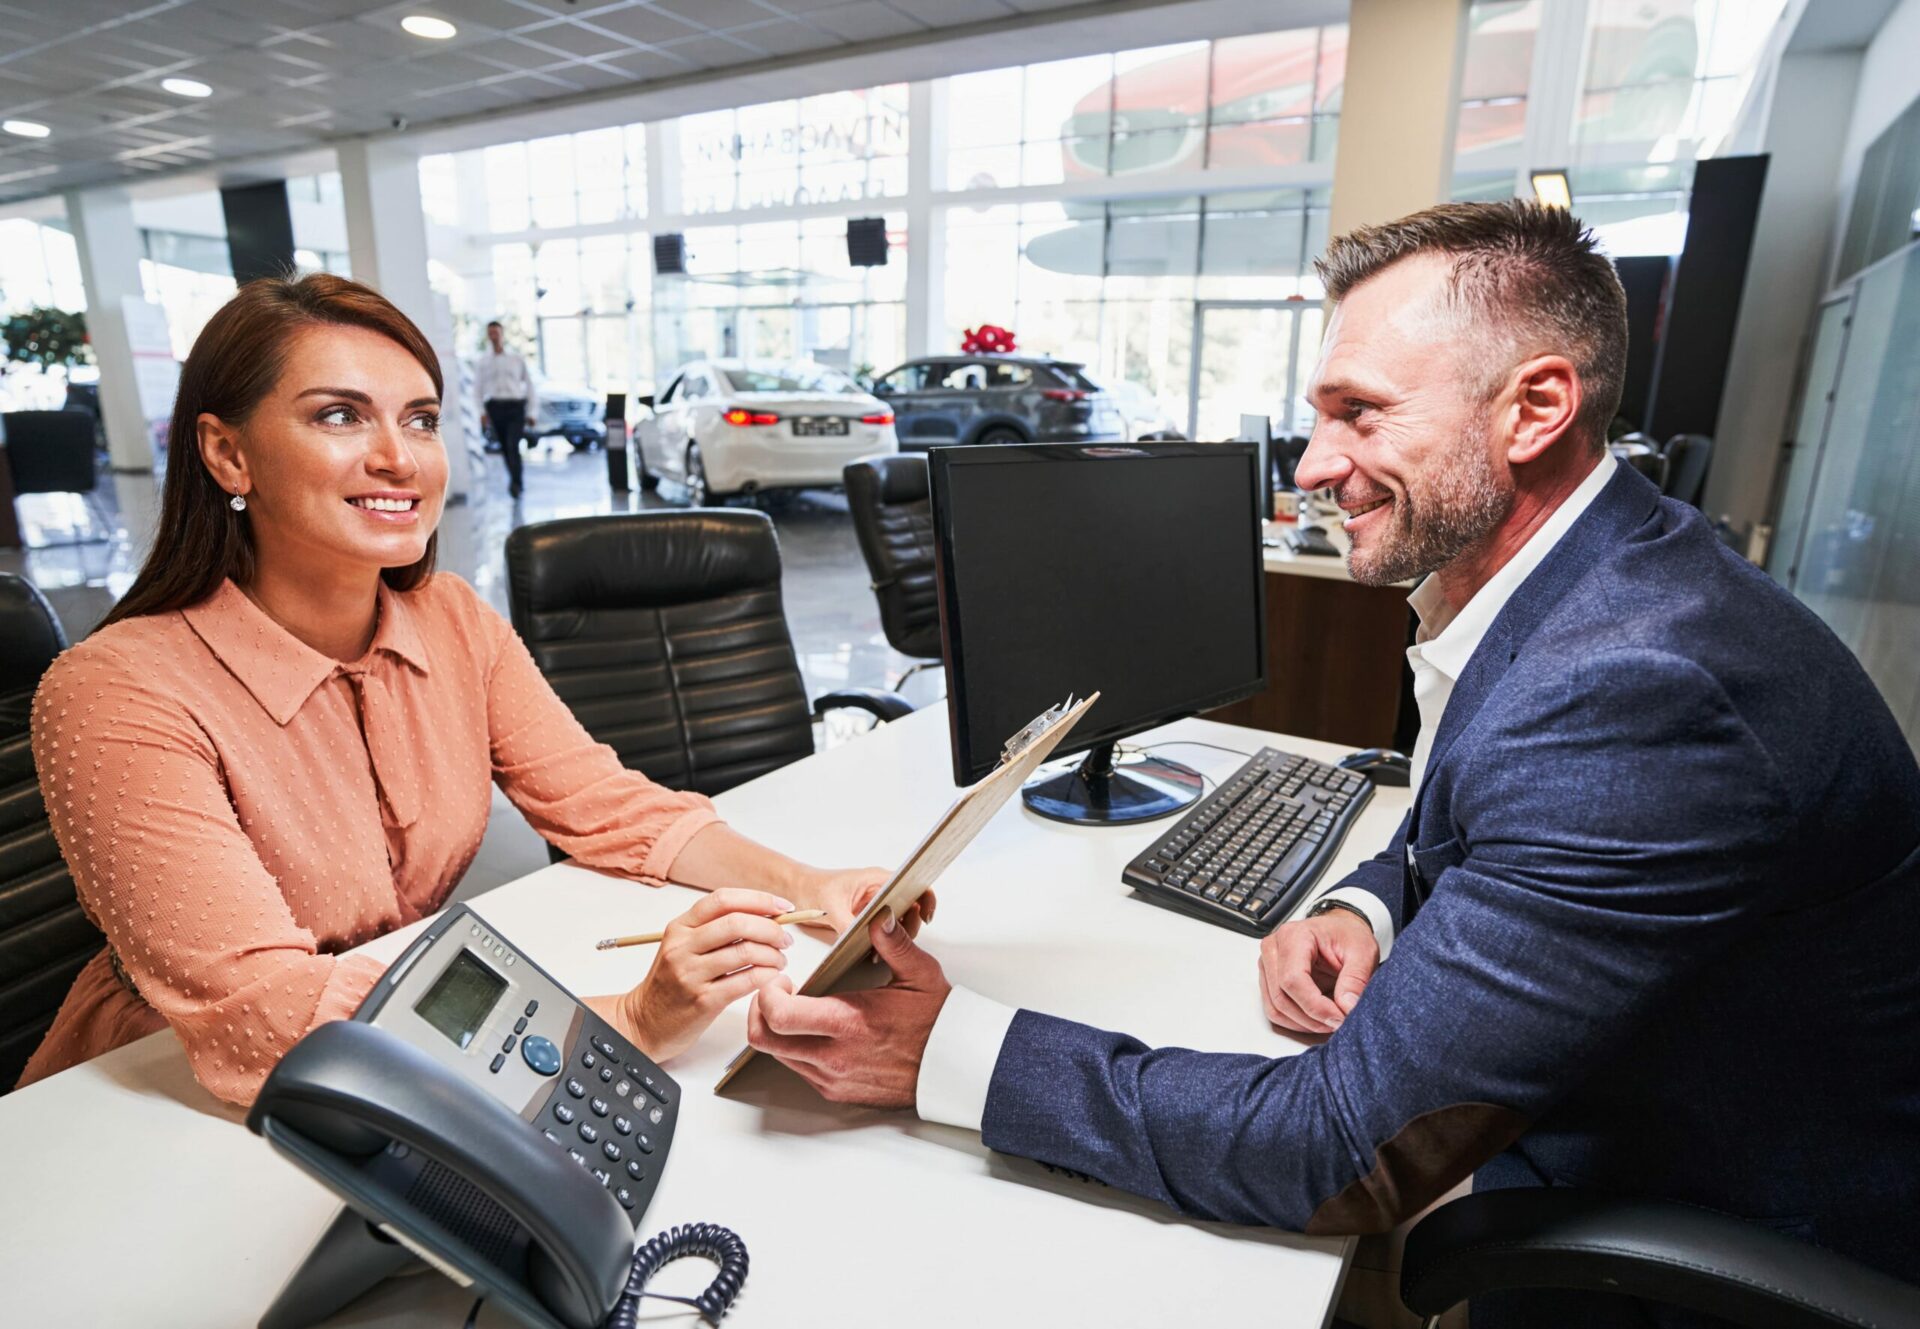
(134,792)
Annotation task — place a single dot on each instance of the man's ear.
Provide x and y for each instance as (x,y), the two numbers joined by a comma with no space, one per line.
(220,452)
(1546,401)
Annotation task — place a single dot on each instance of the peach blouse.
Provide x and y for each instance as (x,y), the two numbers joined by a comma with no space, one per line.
(238,809)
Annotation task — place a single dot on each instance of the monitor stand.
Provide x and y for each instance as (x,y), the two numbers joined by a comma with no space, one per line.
(1099,792)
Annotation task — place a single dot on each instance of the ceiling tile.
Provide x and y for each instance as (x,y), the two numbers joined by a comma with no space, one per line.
(571,9)
(716,15)
(953,13)
(508,53)
(645,66)
(785,36)
(712,52)
(580,40)
(865,21)
(642,24)
(597,77)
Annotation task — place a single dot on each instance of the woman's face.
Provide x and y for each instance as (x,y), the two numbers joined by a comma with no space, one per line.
(341,463)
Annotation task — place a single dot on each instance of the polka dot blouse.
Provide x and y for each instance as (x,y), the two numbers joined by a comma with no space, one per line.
(238,809)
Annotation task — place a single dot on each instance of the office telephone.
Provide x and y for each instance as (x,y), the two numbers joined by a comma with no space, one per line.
(475,1114)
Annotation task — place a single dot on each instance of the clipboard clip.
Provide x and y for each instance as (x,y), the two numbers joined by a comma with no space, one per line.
(1033,728)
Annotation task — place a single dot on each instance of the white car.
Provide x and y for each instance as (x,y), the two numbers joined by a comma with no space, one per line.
(726,427)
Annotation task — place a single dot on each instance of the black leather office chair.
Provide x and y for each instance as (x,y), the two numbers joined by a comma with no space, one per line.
(1653,1250)
(1688,456)
(44,937)
(892,509)
(666,634)
(52,452)
(1644,455)
(1287,453)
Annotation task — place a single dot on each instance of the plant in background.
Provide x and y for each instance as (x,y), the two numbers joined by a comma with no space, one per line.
(47,337)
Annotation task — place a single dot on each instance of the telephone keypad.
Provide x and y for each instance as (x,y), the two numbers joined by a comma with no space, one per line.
(625,1197)
(635,1171)
(599,1106)
(588,1133)
(563,1114)
(588,1060)
(624,1125)
(643,1142)
(622,1089)
(606,1075)
(611,1150)
(575,1088)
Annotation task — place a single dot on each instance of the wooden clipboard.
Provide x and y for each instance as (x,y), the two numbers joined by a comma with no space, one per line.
(932,856)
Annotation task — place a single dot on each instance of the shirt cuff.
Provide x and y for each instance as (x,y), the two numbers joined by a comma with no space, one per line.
(668,844)
(957,1067)
(1374,908)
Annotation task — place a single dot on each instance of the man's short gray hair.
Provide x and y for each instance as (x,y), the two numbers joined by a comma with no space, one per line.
(1531,276)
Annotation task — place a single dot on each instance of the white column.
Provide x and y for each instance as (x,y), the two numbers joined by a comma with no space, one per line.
(387,245)
(109,247)
(667,296)
(926,226)
(1398,109)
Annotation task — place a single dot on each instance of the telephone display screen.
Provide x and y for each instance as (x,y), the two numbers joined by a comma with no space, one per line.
(459,1000)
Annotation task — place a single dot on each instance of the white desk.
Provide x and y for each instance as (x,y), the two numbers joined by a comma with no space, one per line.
(132,1197)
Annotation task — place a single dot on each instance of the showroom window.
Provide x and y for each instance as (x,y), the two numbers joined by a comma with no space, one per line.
(782,289)
(837,147)
(597,175)
(1271,99)
(1118,285)
(1494,78)
(1663,74)
(589,318)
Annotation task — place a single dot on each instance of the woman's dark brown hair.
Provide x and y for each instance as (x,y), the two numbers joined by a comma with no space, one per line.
(235,361)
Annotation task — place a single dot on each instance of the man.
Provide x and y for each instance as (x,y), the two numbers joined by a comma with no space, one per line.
(505,388)
(1654,918)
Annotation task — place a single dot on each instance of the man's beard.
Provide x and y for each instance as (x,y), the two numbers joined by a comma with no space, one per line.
(1450,508)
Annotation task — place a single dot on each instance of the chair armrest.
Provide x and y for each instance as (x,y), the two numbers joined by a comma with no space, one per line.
(1657,1250)
(877,702)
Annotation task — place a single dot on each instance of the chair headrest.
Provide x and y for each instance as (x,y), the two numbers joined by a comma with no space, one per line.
(30,634)
(896,477)
(641,559)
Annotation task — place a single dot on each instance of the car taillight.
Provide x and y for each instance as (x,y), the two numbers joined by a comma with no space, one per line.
(878,418)
(1065,394)
(739,415)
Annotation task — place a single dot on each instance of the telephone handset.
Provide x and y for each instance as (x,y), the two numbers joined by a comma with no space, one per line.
(473,1113)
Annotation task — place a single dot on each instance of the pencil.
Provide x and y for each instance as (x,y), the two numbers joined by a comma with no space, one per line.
(649,938)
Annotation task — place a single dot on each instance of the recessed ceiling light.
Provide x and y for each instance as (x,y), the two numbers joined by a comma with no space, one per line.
(422,25)
(26,128)
(186,87)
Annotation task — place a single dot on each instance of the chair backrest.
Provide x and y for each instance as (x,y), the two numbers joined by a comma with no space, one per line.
(666,635)
(1687,458)
(892,509)
(1287,453)
(44,937)
(50,452)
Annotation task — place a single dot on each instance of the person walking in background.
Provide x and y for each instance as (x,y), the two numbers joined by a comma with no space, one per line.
(506,395)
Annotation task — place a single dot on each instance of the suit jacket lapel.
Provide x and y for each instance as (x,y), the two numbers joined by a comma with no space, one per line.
(1620,509)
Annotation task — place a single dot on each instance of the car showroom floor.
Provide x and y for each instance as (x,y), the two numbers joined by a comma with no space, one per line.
(830,605)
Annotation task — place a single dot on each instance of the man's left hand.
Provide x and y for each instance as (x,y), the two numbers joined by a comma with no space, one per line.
(860,1047)
(844,893)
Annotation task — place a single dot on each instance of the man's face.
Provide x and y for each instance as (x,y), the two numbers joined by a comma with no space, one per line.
(495,336)
(1404,437)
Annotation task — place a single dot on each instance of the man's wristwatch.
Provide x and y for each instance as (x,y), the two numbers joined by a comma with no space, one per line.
(1326,906)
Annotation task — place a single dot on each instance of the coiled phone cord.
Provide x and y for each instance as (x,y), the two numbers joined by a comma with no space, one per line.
(709,1239)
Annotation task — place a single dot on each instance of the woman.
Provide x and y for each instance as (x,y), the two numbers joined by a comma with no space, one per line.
(279,743)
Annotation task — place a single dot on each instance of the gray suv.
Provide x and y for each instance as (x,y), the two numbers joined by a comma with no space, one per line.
(946,399)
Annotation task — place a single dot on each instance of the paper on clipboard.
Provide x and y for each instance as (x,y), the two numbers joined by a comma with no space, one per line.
(954,831)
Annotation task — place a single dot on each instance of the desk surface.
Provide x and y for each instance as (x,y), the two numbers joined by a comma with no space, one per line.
(133,1197)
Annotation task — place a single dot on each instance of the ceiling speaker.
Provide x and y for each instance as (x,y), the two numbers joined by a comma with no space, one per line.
(867,242)
(670,254)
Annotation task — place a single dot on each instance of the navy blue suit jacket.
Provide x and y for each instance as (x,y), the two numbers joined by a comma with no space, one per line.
(1658,932)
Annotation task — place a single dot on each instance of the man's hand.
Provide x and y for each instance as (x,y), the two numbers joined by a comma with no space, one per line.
(862,1047)
(844,893)
(1313,971)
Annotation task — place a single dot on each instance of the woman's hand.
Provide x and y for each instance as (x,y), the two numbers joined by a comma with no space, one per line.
(724,947)
(844,893)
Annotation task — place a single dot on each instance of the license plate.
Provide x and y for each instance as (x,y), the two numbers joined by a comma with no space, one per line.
(815,426)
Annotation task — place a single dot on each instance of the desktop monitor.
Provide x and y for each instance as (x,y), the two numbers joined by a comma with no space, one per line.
(1126,569)
(1258,430)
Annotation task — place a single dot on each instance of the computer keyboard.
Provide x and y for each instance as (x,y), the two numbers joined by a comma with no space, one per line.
(1247,852)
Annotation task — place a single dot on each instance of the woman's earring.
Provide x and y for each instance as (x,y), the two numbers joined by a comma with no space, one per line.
(238,502)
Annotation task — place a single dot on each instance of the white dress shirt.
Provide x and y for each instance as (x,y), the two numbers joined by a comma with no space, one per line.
(502,376)
(957,1066)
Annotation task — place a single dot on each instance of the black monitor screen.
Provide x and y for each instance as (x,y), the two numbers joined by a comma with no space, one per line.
(1133,571)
